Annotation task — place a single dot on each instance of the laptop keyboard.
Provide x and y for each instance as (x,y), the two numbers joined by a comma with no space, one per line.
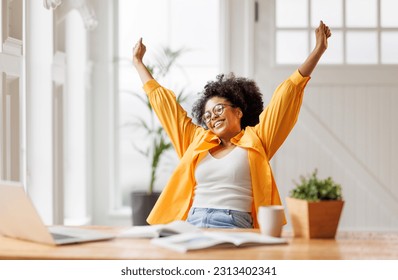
(58,236)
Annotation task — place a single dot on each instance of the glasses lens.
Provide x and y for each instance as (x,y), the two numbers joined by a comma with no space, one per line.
(207,117)
(218,109)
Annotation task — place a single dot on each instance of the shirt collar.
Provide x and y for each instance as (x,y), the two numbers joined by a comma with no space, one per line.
(242,139)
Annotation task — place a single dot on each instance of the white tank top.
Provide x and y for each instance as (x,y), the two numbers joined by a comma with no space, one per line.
(224,183)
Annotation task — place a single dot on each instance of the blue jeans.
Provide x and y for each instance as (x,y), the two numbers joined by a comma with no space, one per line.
(219,218)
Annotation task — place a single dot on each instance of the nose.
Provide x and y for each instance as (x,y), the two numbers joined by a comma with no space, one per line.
(214,116)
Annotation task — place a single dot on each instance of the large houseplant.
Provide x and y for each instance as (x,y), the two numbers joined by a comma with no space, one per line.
(315,206)
(158,142)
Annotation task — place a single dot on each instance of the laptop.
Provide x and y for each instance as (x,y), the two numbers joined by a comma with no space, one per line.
(19,219)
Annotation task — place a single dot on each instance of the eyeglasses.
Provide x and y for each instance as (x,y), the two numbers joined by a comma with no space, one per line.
(217,110)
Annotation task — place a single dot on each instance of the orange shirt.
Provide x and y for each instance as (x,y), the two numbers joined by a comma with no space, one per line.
(192,143)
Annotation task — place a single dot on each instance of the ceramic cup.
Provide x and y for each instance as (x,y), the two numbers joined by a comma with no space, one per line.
(270,219)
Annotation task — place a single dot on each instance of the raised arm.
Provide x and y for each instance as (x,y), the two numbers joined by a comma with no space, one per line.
(281,114)
(171,114)
(138,54)
(322,34)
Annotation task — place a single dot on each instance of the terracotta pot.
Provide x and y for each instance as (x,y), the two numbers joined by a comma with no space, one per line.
(314,219)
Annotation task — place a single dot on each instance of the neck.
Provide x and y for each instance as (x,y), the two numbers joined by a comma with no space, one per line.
(226,141)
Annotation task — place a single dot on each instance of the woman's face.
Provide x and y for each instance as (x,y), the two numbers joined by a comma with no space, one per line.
(222,118)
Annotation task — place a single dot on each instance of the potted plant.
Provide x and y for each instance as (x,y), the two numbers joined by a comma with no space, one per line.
(158,142)
(315,207)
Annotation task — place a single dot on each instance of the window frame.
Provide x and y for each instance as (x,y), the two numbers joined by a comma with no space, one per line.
(344,29)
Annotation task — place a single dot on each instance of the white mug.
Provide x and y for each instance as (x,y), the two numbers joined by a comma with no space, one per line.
(270,218)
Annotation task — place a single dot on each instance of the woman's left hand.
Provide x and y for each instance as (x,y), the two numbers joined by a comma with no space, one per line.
(322,34)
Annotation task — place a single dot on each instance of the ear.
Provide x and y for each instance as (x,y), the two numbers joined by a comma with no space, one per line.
(240,114)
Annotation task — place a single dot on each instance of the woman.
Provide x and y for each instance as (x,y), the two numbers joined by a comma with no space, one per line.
(224,173)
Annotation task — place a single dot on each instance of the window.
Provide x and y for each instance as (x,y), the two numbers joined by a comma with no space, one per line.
(364,31)
(174,24)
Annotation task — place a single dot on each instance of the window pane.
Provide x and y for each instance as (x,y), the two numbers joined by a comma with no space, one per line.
(389,47)
(292,13)
(131,27)
(361,47)
(361,13)
(334,53)
(291,47)
(185,30)
(389,10)
(330,11)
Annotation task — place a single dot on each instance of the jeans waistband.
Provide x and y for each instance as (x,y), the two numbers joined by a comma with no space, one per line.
(212,210)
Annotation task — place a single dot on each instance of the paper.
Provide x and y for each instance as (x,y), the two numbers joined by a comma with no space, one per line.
(200,240)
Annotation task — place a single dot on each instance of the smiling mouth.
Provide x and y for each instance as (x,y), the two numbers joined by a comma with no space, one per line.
(217,123)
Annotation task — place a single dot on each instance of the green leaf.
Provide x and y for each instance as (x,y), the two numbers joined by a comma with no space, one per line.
(312,188)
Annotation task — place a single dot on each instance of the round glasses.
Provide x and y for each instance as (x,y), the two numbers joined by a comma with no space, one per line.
(217,110)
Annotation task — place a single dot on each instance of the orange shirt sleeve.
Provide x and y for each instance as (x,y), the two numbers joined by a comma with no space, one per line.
(178,126)
(281,114)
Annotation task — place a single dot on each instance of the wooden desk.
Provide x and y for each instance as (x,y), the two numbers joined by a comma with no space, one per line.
(354,246)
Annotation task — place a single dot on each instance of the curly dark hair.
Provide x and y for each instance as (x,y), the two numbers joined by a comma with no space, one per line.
(240,92)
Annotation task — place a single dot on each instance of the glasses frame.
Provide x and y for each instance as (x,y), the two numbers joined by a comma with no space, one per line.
(213,112)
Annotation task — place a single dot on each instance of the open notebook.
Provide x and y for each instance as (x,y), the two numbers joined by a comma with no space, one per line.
(208,239)
(19,219)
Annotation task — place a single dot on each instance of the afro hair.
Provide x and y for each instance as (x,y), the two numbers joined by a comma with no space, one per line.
(240,92)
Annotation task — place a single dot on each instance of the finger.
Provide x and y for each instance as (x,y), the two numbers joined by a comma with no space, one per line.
(327,30)
(138,44)
(325,27)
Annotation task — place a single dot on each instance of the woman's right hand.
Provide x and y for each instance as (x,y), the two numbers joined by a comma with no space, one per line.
(138,52)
